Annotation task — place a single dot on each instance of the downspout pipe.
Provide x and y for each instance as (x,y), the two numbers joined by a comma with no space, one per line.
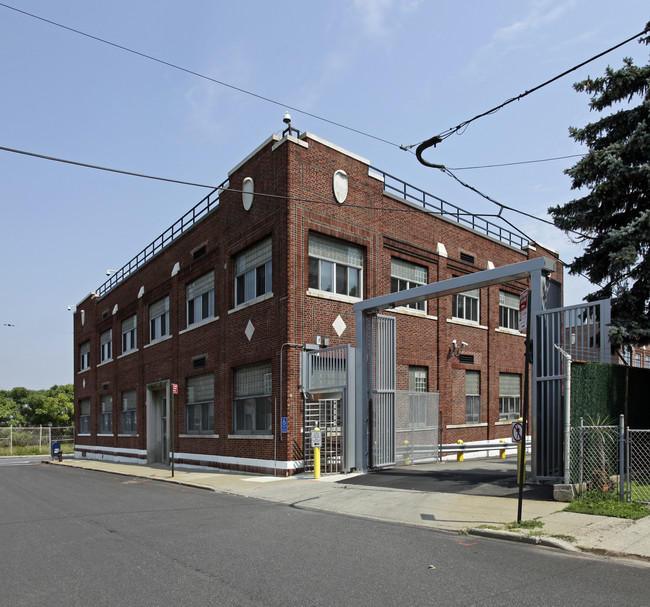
(567,414)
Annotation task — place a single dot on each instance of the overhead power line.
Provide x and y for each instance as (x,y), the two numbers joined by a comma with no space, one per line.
(199,75)
(509,164)
(436,139)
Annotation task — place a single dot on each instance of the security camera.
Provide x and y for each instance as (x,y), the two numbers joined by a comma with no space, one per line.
(464,344)
(108,272)
(287,118)
(69,307)
(453,343)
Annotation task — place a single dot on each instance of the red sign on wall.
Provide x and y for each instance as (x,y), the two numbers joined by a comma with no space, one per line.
(175,388)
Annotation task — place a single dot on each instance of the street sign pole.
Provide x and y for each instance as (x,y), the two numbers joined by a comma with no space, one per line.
(522,455)
(174,391)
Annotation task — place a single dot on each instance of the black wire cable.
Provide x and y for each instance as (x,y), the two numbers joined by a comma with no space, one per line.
(509,164)
(436,139)
(199,75)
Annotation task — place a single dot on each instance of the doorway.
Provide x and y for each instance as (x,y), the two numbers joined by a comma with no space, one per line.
(157,426)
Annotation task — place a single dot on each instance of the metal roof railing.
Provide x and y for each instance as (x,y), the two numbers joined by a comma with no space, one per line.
(195,214)
(429,202)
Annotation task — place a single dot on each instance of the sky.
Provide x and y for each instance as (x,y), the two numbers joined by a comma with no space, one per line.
(367,75)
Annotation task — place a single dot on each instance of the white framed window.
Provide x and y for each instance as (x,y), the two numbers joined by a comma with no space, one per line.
(106,414)
(637,360)
(335,266)
(106,346)
(406,275)
(159,319)
(253,272)
(84,356)
(509,396)
(199,407)
(508,310)
(417,379)
(252,410)
(472,397)
(84,416)
(465,306)
(129,415)
(647,361)
(129,334)
(200,299)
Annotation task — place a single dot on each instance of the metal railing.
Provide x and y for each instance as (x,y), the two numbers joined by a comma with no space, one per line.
(196,213)
(435,204)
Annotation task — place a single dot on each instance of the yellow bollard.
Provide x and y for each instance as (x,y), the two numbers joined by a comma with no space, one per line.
(317,458)
(459,454)
(502,453)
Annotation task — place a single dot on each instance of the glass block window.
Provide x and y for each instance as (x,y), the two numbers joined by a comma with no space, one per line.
(200,299)
(253,272)
(106,414)
(129,415)
(199,407)
(472,397)
(508,310)
(252,410)
(406,275)
(509,396)
(335,266)
(159,319)
(465,306)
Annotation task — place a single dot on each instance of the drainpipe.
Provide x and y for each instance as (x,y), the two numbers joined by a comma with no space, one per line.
(567,415)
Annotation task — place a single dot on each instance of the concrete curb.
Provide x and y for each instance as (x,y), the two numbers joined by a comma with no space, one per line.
(524,539)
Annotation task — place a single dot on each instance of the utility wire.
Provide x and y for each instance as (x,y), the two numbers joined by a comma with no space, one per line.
(509,164)
(199,75)
(436,139)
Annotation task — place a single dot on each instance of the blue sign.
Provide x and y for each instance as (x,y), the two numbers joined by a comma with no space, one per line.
(285,425)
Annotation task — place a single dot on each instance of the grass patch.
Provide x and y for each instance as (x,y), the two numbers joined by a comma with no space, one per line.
(565,538)
(67,448)
(606,504)
(530,524)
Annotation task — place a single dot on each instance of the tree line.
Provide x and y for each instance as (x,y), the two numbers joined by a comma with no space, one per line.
(24,407)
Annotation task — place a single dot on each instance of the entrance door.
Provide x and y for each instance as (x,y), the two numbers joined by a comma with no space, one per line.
(157,434)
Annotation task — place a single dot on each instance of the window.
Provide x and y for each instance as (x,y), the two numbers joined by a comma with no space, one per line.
(253,270)
(199,409)
(252,403)
(637,360)
(106,346)
(159,319)
(335,266)
(626,355)
(129,417)
(417,379)
(472,397)
(200,299)
(508,310)
(509,396)
(418,398)
(84,356)
(406,275)
(106,414)
(129,339)
(465,305)
(647,361)
(84,416)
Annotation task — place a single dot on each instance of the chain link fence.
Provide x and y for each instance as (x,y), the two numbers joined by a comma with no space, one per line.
(37,439)
(638,456)
(609,458)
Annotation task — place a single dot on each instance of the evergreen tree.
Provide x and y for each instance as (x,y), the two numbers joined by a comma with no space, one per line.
(613,218)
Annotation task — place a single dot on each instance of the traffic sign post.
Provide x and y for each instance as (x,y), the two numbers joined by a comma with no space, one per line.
(174,391)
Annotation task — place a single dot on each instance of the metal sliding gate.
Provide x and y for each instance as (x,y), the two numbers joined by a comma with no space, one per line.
(382,362)
(326,379)
(581,331)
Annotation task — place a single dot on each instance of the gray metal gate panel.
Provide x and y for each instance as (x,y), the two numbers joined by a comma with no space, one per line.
(581,331)
(382,375)
(325,414)
(417,417)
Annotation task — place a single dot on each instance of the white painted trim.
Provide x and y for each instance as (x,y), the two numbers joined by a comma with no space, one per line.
(466,323)
(254,153)
(252,302)
(291,138)
(241,461)
(157,341)
(332,296)
(251,436)
(128,353)
(307,135)
(198,436)
(196,325)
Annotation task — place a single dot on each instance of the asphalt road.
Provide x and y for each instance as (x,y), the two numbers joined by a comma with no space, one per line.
(492,477)
(74,537)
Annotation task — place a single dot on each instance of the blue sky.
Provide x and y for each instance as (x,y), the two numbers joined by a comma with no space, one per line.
(401,71)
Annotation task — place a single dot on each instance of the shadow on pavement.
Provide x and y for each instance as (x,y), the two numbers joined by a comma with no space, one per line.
(479,477)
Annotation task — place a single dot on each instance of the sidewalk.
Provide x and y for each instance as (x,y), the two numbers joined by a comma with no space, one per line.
(445,511)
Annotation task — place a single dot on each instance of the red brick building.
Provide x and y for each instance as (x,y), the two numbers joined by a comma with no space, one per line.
(221,304)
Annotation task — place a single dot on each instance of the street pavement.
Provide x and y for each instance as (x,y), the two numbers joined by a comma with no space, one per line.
(474,497)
